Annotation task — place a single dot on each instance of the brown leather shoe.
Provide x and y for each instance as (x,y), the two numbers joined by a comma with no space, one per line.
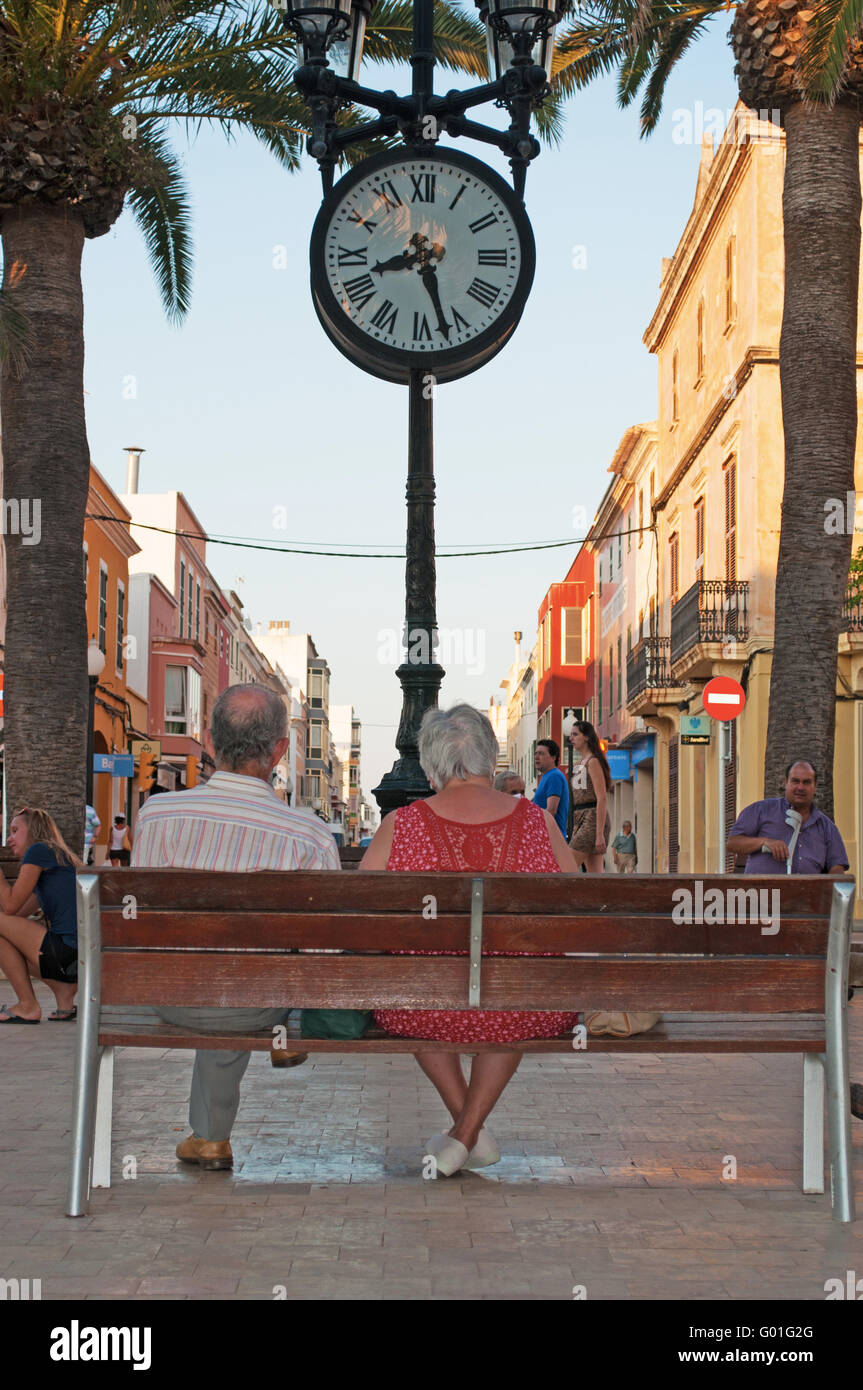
(287,1059)
(207,1153)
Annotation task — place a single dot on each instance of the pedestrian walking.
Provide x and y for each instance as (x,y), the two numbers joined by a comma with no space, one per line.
(552,793)
(92,826)
(121,846)
(624,849)
(591,782)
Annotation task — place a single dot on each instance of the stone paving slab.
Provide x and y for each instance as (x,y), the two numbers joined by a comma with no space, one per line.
(611,1179)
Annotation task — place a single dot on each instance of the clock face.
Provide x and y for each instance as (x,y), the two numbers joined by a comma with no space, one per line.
(423,260)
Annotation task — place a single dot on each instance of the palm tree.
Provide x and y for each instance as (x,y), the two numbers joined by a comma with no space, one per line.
(88,94)
(804,67)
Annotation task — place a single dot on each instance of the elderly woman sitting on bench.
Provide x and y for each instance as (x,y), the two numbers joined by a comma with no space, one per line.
(468,827)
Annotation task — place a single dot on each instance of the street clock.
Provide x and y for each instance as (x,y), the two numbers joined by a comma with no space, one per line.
(421,260)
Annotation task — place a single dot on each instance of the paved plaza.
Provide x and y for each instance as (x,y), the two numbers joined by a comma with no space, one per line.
(612,1179)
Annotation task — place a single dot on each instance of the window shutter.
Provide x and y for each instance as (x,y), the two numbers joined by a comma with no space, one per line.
(673,844)
(730,789)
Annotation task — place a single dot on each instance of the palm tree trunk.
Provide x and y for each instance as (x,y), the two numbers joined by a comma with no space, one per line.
(46,461)
(818,369)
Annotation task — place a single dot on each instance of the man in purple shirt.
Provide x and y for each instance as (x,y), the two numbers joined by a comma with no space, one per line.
(764,831)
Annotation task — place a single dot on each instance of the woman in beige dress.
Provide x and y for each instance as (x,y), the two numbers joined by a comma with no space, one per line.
(591,784)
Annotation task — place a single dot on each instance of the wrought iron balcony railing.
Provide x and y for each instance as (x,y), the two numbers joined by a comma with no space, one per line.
(648,666)
(712,610)
(852,610)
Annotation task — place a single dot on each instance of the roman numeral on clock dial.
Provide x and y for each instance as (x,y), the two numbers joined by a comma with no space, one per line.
(385,317)
(361,221)
(489,258)
(353,255)
(483,292)
(388,195)
(482,222)
(422,329)
(360,290)
(424,188)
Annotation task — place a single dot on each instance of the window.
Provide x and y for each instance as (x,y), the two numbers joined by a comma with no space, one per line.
(674,563)
(619,551)
(189,607)
(699,538)
(182,593)
(641,517)
(641,632)
(571,634)
(619,672)
(629,636)
(316,691)
(221,644)
(629,533)
(730,476)
(103,607)
(317,745)
(175,699)
(730,282)
(121,617)
(651,616)
(86,566)
(600,576)
(675,388)
(197,612)
(611,680)
(699,343)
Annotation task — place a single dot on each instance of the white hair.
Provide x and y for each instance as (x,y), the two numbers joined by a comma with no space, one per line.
(457,743)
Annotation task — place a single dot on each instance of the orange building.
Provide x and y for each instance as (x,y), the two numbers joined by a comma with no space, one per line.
(108,547)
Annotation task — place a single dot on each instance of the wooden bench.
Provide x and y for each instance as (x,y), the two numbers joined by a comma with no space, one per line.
(167,937)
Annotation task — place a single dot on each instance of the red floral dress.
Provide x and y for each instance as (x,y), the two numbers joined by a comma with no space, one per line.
(516,844)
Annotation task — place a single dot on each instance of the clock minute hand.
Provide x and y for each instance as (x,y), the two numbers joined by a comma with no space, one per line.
(429,278)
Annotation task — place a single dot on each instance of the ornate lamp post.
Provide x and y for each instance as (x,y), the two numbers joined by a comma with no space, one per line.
(95,667)
(422,257)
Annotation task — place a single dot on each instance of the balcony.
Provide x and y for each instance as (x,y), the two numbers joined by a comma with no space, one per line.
(711,613)
(852,610)
(648,668)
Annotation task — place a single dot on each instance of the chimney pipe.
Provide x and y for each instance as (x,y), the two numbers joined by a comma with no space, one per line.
(133,460)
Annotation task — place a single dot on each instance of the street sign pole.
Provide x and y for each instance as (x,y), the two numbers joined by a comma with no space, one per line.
(721,728)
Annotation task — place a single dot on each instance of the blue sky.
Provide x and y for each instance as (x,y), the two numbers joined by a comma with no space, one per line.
(248,408)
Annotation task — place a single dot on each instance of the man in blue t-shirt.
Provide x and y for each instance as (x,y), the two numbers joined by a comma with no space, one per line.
(552,794)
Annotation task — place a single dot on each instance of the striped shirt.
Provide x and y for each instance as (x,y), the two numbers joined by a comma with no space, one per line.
(231,823)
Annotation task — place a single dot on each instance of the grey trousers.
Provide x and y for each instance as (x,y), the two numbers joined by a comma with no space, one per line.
(216,1077)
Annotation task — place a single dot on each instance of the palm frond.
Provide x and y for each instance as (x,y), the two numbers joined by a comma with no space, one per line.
(161,209)
(823,60)
(459,38)
(669,50)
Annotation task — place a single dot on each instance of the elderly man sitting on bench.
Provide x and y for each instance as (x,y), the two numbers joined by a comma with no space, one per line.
(233,822)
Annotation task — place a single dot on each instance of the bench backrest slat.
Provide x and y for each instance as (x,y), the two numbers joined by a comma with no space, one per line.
(221,980)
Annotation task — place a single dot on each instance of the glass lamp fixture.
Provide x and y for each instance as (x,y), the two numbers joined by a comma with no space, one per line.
(316,23)
(95,660)
(330,27)
(516,30)
(345,52)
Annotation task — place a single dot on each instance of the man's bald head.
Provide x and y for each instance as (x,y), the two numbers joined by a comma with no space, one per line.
(248,723)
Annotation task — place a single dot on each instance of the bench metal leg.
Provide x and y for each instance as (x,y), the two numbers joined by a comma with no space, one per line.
(104,1109)
(836,1061)
(87,1046)
(813,1122)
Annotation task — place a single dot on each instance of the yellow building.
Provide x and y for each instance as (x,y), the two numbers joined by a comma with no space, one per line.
(718,492)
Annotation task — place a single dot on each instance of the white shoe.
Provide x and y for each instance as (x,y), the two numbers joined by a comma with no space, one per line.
(484,1152)
(449,1154)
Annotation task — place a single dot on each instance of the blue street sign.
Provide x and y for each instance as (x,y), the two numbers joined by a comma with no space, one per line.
(695,724)
(618,763)
(115,764)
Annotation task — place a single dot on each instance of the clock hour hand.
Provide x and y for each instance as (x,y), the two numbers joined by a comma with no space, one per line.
(429,278)
(406,261)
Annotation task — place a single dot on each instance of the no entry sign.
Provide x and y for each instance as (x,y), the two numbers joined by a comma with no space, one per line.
(723,698)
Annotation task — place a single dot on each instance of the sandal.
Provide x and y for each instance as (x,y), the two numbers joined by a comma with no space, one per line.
(16,1018)
(63,1015)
